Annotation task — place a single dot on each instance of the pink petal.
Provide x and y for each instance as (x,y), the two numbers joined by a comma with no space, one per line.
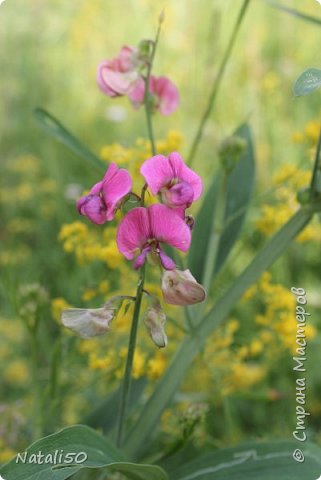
(100,77)
(166,261)
(93,207)
(178,195)
(133,232)
(167,93)
(117,184)
(167,227)
(183,172)
(119,82)
(110,172)
(140,260)
(127,58)
(137,93)
(157,172)
(96,188)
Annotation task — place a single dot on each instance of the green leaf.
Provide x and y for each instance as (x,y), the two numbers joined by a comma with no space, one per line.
(239,191)
(254,461)
(295,13)
(54,128)
(307,82)
(184,356)
(76,440)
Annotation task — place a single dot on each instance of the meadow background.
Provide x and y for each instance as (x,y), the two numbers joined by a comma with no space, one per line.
(49,51)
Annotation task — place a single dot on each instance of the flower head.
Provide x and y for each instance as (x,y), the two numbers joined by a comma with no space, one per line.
(105,196)
(181,288)
(142,231)
(164,94)
(119,76)
(178,185)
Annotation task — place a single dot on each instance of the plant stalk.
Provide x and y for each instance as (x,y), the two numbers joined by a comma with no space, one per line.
(315,181)
(147,96)
(130,358)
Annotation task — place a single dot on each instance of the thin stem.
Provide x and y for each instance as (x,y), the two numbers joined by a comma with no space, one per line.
(217,83)
(130,358)
(38,407)
(317,167)
(142,195)
(146,95)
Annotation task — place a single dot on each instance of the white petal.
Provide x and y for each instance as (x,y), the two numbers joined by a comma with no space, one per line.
(87,322)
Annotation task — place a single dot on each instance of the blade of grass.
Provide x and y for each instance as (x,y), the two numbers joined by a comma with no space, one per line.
(294,12)
(56,130)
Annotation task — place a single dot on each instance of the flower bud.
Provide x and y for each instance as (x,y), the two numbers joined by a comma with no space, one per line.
(181,288)
(230,152)
(161,17)
(155,321)
(145,49)
(89,322)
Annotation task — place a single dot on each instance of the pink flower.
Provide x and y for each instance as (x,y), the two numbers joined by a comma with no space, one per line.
(105,197)
(178,185)
(142,230)
(181,288)
(119,76)
(164,93)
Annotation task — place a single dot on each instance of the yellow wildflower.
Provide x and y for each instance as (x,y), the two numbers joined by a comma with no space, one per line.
(156,366)
(16,373)
(139,364)
(88,294)
(24,164)
(57,306)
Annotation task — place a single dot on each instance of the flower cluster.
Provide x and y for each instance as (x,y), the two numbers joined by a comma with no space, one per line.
(142,234)
(124,75)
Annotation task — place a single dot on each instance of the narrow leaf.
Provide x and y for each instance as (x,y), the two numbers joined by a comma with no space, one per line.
(253,461)
(307,82)
(49,458)
(295,13)
(54,128)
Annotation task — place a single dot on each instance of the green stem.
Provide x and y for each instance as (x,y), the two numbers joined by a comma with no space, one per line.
(147,97)
(150,125)
(37,403)
(217,83)
(130,358)
(316,169)
(55,370)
